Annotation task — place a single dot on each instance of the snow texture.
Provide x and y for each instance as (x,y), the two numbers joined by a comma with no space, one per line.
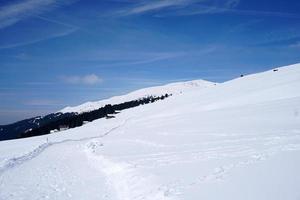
(235,140)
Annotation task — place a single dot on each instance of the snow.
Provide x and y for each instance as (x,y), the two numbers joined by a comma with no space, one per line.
(173,88)
(235,140)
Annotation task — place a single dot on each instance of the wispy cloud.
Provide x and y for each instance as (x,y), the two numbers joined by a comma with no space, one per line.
(138,80)
(154,5)
(90,79)
(150,58)
(56,22)
(18,10)
(128,58)
(161,56)
(194,7)
(178,7)
(56,35)
(214,9)
(38,83)
(295,45)
(42,102)
(281,42)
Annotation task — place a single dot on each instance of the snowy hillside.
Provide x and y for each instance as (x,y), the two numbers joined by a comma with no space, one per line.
(235,140)
(173,88)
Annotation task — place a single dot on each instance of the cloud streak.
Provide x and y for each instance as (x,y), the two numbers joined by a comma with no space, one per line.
(178,7)
(155,5)
(12,13)
(16,11)
(194,7)
(288,41)
(127,57)
(295,45)
(90,79)
(42,102)
(56,35)
(206,9)
(111,58)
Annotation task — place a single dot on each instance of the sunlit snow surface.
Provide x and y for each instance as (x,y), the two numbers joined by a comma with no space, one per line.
(173,88)
(235,140)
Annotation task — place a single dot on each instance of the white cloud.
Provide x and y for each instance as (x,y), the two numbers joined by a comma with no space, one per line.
(295,45)
(157,5)
(143,6)
(127,57)
(42,102)
(90,79)
(193,7)
(47,37)
(230,7)
(111,58)
(16,11)
(188,6)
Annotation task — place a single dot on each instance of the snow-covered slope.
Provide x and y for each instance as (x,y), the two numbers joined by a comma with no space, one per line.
(173,88)
(236,140)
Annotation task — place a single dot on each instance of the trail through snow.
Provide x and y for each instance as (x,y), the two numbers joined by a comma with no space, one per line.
(16,161)
(235,140)
(128,182)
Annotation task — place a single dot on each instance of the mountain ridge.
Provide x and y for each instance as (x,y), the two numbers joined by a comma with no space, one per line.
(171,88)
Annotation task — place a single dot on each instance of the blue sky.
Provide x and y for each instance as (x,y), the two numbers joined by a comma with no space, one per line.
(55,53)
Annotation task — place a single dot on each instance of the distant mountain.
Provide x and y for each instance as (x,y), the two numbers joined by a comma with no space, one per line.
(16,130)
(71,117)
(172,88)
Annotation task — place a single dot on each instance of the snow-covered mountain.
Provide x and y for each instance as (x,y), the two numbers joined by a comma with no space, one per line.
(235,140)
(173,88)
(72,117)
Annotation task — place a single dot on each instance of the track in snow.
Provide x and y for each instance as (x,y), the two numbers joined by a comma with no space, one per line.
(128,182)
(16,161)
